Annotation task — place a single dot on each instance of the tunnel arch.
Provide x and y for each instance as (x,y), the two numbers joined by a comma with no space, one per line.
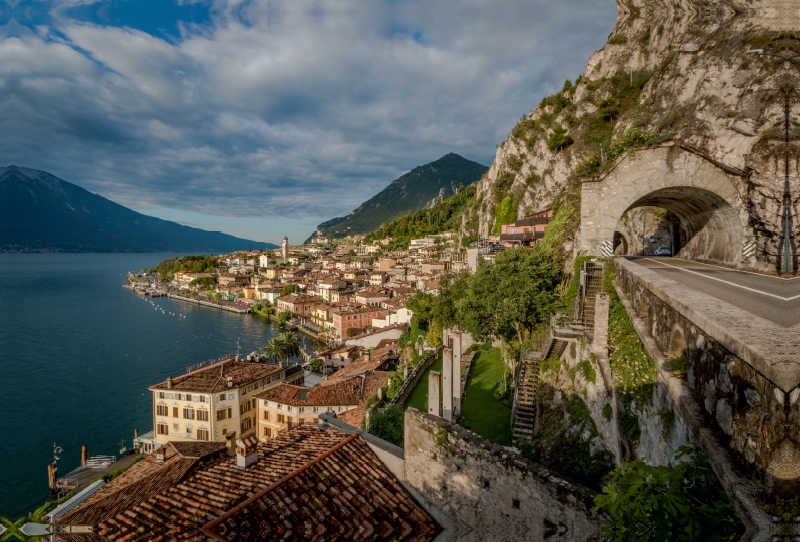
(702,194)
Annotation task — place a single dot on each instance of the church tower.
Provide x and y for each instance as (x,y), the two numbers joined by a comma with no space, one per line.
(285,249)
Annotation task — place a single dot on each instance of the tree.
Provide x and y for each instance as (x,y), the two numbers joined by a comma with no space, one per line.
(316,365)
(509,298)
(273,350)
(352,332)
(203,281)
(290,289)
(290,343)
(434,336)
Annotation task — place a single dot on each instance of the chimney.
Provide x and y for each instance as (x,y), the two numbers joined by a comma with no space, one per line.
(230,443)
(169,382)
(230,381)
(369,355)
(135,433)
(160,454)
(280,364)
(246,452)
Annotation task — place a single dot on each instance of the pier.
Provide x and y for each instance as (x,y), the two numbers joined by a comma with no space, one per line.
(209,304)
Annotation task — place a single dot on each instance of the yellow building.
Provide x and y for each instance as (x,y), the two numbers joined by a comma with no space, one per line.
(284,406)
(210,402)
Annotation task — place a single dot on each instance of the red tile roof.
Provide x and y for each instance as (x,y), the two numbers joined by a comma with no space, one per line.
(308,484)
(350,391)
(215,377)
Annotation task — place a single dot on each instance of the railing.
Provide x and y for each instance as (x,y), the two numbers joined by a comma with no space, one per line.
(66,483)
(100,461)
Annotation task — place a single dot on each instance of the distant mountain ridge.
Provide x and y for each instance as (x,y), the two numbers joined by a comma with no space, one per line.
(42,213)
(421,187)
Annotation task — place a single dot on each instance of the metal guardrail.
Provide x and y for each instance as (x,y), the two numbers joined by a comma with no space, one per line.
(100,461)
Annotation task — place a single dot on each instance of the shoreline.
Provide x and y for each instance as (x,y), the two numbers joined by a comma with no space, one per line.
(271,317)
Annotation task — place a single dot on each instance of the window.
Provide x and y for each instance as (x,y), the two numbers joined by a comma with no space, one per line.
(161,395)
(222,397)
(163,429)
(223,414)
(202,434)
(316,409)
(174,412)
(301,409)
(266,415)
(202,415)
(267,432)
(201,398)
(230,396)
(330,409)
(280,406)
(301,421)
(280,418)
(247,424)
(289,408)
(340,408)
(188,413)
(162,410)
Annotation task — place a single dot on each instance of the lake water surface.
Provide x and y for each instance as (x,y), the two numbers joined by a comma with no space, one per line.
(77,354)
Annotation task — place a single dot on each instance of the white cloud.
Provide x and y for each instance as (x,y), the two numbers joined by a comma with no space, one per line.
(288,108)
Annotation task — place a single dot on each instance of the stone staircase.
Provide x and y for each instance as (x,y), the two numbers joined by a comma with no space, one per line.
(527,386)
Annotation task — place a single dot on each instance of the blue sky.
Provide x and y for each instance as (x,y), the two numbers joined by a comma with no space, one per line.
(264,118)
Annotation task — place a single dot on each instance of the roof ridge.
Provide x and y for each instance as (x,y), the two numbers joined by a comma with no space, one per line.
(206,529)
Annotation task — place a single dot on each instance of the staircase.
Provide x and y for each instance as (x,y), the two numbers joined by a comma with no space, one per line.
(551,346)
(527,385)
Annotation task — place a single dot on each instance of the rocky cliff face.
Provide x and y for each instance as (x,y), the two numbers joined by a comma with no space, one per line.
(670,71)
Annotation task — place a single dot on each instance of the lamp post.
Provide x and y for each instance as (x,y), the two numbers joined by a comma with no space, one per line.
(790,95)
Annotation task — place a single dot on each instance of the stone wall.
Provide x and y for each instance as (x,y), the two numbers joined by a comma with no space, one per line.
(739,403)
(491,493)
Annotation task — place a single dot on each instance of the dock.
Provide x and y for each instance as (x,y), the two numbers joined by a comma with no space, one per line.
(86,475)
(209,304)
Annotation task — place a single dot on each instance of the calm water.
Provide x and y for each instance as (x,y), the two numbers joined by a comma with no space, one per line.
(77,353)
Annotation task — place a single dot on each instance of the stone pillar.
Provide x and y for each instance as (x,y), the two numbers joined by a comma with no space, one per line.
(405,372)
(447,384)
(601,305)
(84,454)
(456,346)
(433,393)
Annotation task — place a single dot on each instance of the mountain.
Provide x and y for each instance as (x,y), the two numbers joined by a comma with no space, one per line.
(42,213)
(422,187)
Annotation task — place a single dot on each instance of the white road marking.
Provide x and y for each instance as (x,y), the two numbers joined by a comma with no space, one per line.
(724,281)
(747,272)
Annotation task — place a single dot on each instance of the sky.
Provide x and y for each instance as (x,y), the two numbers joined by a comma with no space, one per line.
(264,118)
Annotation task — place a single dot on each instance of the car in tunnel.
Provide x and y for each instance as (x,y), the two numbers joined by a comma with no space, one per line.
(662,251)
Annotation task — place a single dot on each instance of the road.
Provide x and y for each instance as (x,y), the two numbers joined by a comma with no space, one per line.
(772,298)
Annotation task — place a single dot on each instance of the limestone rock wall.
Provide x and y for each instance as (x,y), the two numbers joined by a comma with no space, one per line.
(703,91)
(491,493)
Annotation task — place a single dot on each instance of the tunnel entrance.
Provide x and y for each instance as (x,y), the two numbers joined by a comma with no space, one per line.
(695,223)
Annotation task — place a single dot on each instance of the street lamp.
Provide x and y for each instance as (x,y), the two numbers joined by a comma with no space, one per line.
(790,97)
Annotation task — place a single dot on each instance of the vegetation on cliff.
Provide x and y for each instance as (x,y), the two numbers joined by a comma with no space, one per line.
(442,217)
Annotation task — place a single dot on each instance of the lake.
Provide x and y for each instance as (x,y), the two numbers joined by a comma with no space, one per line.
(78,352)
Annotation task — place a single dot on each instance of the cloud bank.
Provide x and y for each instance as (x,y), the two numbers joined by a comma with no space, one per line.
(284,111)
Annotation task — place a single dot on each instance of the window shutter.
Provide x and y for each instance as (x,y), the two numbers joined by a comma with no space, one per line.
(174,412)
(230,412)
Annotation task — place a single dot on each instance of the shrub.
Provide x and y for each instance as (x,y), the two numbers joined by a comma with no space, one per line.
(505,213)
(617,40)
(684,502)
(608,412)
(571,457)
(679,365)
(284,317)
(587,370)
(503,184)
(559,139)
(387,424)
(516,162)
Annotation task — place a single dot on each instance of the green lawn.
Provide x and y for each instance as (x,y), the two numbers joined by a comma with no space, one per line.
(481,413)
(419,396)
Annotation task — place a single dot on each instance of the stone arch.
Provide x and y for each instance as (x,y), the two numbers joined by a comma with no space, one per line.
(700,193)
(620,244)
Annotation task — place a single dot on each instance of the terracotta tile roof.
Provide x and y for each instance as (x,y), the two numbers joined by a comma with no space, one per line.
(147,477)
(308,484)
(343,392)
(215,377)
(353,417)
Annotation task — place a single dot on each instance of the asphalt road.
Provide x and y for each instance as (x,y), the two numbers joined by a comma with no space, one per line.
(772,298)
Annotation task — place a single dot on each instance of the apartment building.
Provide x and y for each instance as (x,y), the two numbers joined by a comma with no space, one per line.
(210,402)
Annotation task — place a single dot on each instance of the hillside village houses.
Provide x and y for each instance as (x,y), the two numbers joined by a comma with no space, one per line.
(352,296)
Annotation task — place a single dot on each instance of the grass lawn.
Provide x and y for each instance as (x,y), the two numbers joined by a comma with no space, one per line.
(419,396)
(481,413)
